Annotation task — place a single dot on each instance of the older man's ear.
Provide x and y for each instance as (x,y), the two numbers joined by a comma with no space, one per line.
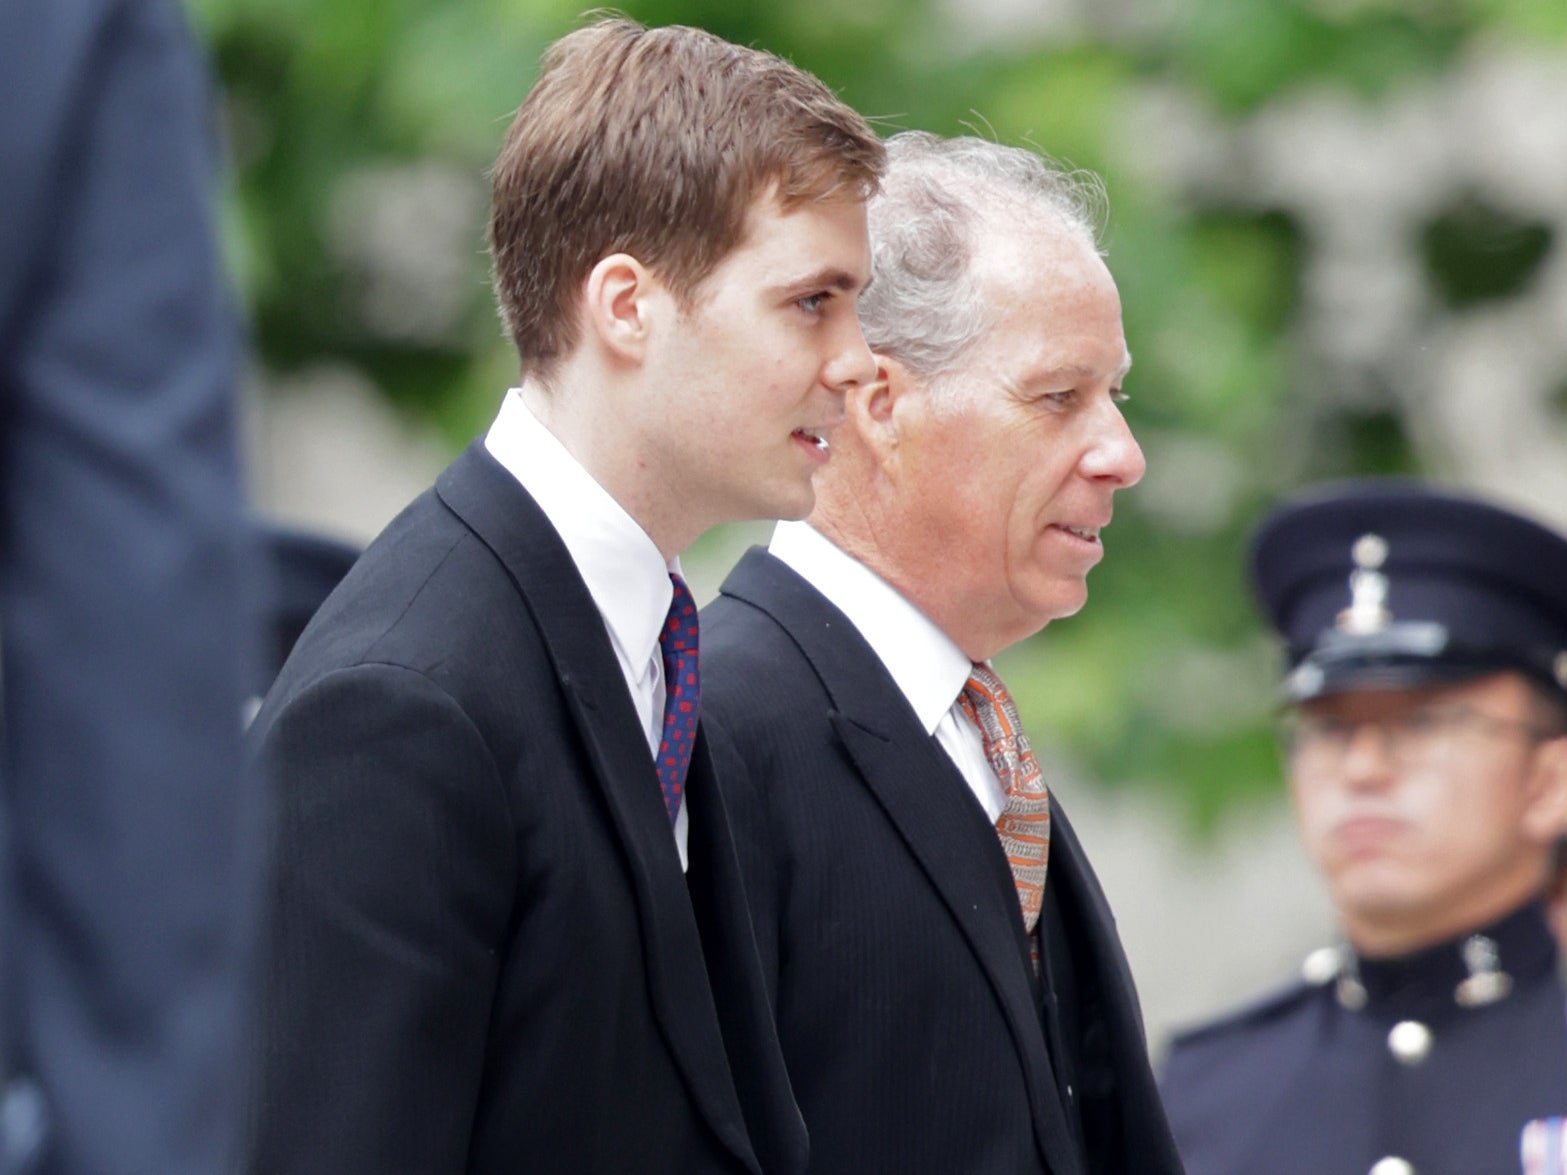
(872,408)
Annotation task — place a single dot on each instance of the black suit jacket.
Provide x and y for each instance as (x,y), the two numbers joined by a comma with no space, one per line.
(916,1035)
(126,896)
(483,957)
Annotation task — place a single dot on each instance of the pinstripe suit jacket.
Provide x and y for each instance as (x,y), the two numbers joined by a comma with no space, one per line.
(916,1036)
(483,957)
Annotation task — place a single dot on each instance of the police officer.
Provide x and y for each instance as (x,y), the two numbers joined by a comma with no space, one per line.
(1426,636)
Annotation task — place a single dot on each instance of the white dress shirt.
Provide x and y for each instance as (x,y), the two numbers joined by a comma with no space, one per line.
(926,664)
(625,574)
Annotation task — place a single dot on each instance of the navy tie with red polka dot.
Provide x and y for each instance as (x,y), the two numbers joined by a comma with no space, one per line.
(682,695)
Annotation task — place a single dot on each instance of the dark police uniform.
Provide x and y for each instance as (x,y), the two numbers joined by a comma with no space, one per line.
(1436,1062)
(1381,1065)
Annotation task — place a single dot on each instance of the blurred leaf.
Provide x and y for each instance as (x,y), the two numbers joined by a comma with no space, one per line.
(1057,103)
(1162,680)
(1544,20)
(1244,53)
(1476,253)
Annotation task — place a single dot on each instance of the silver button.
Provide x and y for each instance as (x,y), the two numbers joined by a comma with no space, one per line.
(1392,1165)
(1320,966)
(1409,1042)
(1351,993)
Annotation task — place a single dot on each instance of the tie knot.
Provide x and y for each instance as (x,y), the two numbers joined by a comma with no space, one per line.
(679,634)
(1024,825)
(991,705)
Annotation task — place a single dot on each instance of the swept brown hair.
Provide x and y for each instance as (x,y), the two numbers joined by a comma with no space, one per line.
(654,142)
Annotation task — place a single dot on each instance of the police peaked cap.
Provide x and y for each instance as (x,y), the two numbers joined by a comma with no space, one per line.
(1390,582)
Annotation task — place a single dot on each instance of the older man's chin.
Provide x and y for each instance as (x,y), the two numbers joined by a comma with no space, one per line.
(1068,601)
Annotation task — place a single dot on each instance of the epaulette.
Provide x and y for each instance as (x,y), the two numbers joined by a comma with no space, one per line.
(1319,969)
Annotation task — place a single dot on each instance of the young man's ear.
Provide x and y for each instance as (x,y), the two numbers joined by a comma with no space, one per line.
(616,309)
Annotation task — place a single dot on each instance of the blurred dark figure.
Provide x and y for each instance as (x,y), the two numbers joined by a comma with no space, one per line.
(127,876)
(301,567)
(1427,642)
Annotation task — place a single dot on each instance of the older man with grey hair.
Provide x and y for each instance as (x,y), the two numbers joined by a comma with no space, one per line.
(950,992)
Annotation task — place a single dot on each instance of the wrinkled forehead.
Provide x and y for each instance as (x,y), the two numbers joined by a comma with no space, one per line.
(1054,291)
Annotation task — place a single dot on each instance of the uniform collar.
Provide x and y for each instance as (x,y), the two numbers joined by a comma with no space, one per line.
(1472,970)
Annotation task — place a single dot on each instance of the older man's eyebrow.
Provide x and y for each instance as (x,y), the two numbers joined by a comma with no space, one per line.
(1073,372)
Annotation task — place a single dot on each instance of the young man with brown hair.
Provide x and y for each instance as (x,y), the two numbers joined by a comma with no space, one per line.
(485,751)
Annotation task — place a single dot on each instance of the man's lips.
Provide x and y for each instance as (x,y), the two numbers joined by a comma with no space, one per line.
(1366,833)
(1089,534)
(815,438)
(1086,532)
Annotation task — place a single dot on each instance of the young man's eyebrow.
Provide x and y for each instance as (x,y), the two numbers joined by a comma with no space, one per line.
(828,277)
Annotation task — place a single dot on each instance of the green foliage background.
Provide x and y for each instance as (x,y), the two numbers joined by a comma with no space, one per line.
(1163,681)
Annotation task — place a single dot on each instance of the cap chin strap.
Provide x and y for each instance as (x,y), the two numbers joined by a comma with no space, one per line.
(1406,654)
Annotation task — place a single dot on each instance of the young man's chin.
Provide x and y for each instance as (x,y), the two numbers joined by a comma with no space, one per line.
(793,504)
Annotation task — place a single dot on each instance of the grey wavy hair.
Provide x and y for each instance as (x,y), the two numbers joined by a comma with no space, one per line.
(937,196)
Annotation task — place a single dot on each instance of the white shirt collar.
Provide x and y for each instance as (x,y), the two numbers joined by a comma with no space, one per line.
(925,663)
(623,569)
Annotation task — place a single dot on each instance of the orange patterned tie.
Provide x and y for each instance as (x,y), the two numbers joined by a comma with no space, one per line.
(1024,825)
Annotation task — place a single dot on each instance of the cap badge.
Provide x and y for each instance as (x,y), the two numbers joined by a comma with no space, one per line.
(1367,612)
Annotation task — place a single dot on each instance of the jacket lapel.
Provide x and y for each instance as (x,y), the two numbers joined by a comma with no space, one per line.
(776,1128)
(502,514)
(1080,892)
(929,804)
(1147,1144)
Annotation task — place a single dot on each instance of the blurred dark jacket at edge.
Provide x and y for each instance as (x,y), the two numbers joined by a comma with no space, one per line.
(128,830)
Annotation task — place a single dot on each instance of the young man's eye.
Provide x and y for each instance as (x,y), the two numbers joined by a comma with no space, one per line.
(812,303)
